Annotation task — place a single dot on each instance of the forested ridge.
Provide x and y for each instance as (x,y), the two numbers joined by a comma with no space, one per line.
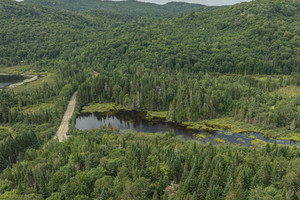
(259,37)
(191,61)
(129,8)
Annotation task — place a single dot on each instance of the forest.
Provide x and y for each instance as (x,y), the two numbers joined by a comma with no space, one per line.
(128,8)
(237,64)
(103,164)
(259,37)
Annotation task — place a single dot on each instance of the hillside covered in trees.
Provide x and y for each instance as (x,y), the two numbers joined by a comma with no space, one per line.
(159,63)
(259,37)
(239,64)
(130,8)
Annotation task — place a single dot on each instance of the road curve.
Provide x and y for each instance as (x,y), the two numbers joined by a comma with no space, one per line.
(64,126)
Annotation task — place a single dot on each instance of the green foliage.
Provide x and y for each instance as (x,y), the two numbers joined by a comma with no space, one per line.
(103,107)
(258,143)
(156,115)
(102,164)
(219,140)
(14,196)
(270,192)
(186,68)
(249,38)
(130,9)
(56,33)
(240,103)
(11,147)
(5,132)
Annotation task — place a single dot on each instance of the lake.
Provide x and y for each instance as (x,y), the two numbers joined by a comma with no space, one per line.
(133,121)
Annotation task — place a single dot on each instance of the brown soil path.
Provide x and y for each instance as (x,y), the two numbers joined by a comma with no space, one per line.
(64,126)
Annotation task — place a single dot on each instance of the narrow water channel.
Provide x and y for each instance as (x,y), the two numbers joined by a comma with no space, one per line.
(132,120)
(9,80)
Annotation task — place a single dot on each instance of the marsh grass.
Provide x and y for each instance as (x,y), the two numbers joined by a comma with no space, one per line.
(102,107)
(45,78)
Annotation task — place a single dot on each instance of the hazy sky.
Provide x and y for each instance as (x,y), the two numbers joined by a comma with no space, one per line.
(205,2)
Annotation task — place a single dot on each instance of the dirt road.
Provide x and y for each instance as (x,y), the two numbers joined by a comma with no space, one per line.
(64,126)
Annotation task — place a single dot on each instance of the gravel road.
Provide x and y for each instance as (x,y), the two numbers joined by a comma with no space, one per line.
(64,126)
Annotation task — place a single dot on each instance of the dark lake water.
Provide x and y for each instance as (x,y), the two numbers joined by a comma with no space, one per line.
(132,120)
(8,79)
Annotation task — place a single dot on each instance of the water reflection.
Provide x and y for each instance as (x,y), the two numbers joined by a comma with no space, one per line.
(133,120)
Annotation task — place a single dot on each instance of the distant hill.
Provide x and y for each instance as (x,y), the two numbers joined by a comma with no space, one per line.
(128,8)
(183,6)
(258,37)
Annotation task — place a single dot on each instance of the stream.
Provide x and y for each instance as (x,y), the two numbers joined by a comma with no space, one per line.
(10,80)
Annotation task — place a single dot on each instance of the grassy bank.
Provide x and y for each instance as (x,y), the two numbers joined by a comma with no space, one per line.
(152,115)
(102,107)
(239,126)
(27,84)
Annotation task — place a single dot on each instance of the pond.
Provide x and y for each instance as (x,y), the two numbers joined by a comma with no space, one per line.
(10,80)
(133,121)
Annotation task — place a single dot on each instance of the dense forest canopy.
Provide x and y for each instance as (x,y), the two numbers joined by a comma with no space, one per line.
(190,61)
(132,8)
(159,63)
(36,33)
(102,164)
(260,37)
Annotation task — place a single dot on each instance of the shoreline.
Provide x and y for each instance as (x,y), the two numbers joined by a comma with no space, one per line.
(209,126)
